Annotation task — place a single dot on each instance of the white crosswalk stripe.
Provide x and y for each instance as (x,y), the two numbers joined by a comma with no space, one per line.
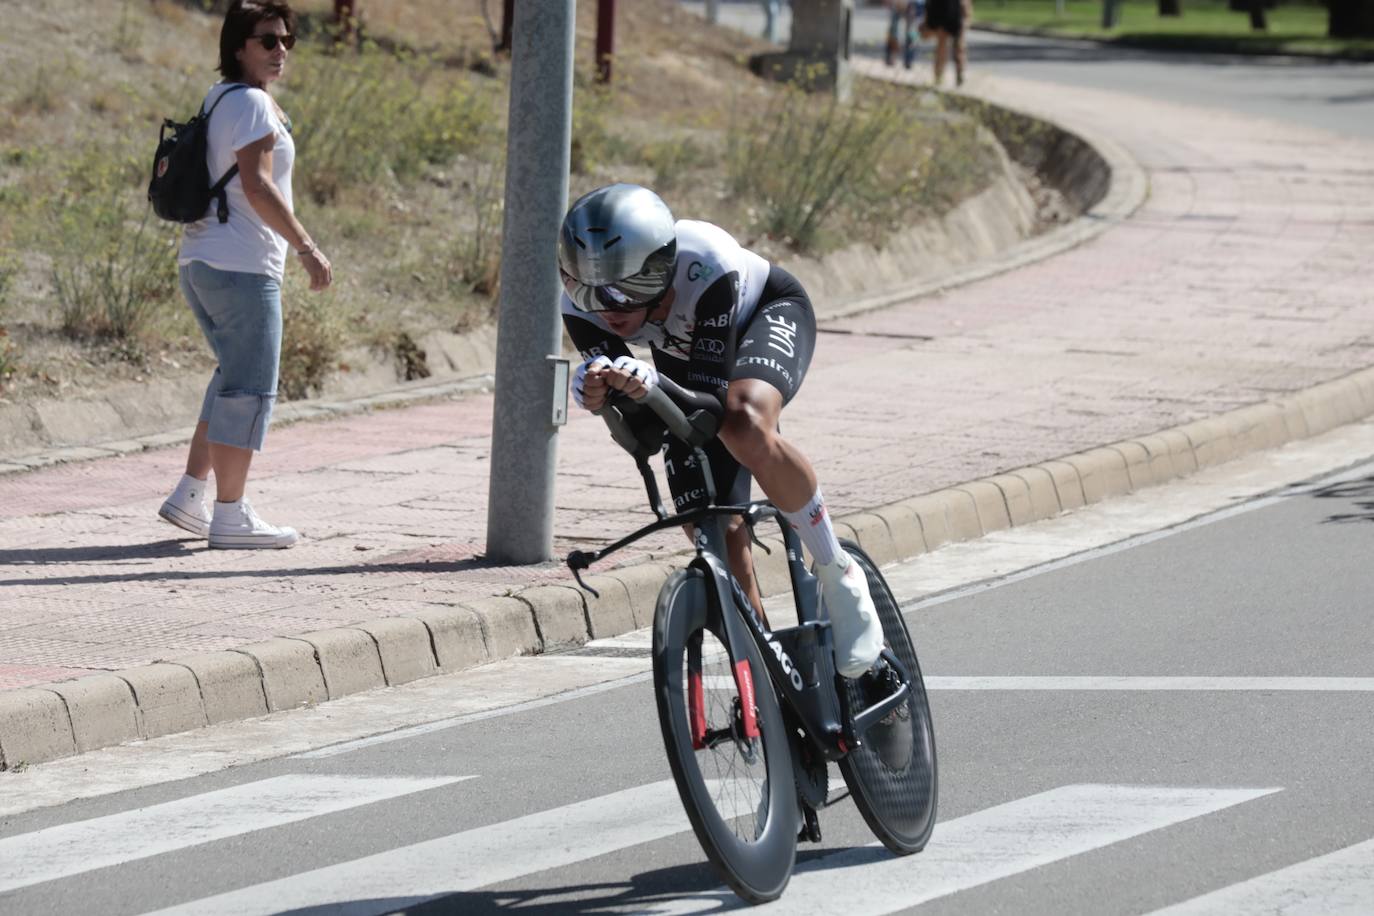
(982,847)
(70,849)
(1338,884)
(407,876)
(965,852)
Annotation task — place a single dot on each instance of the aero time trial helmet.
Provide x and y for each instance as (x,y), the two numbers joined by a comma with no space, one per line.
(618,249)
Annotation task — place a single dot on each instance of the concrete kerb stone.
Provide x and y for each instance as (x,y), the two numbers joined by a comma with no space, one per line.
(872,534)
(1137,460)
(1041,491)
(989,504)
(507,627)
(168,699)
(1068,485)
(1161,457)
(1016,496)
(34,726)
(349,660)
(559,613)
(456,636)
(904,527)
(102,710)
(230,685)
(1101,472)
(610,611)
(290,672)
(642,583)
(404,647)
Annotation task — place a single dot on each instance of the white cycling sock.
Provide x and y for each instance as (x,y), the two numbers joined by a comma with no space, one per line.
(812,524)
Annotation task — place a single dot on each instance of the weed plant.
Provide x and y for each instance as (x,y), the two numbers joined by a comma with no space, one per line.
(821,164)
(113,265)
(361,117)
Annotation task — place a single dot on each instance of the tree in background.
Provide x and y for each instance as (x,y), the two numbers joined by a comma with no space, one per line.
(1170,8)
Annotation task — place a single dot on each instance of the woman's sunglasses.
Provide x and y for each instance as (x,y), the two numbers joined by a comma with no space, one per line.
(270,39)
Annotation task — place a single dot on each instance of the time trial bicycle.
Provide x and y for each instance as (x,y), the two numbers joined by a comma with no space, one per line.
(751,717)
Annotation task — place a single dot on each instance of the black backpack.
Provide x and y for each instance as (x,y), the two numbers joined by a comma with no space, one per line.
(180,190)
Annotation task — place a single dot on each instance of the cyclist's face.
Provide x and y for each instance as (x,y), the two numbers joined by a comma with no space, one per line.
(624,324)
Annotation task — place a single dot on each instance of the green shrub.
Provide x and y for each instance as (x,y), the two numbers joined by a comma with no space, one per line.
(673,160)
(113,265)
(312,339)
(593,144)
(360,117)
(9,361)
(816,157)
(478,252)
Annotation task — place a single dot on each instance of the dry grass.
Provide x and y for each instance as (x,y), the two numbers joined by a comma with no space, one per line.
(404,191)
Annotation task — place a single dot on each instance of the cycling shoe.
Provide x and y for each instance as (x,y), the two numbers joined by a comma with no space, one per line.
(854,623)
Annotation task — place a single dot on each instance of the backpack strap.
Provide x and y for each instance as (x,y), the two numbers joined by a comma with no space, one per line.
(217,189)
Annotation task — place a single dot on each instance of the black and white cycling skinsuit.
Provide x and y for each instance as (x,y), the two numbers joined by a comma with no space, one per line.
(734,316)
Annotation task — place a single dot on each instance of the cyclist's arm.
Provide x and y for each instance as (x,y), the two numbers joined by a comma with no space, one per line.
(713,337)
(593,341)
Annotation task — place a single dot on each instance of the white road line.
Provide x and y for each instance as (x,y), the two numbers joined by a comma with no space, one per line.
(1338,884)
(426,728)
(70,849)
(407,876)
(983,847)
(1316,684)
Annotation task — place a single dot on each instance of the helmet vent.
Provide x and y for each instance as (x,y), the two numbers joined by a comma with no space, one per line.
(612,242)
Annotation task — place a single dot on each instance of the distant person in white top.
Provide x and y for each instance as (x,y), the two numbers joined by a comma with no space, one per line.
(231,273)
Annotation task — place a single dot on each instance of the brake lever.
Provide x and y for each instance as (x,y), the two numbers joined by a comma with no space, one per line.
(751,518)
(579,560)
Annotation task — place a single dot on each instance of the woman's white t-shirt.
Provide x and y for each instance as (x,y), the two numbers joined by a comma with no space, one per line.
(245,243)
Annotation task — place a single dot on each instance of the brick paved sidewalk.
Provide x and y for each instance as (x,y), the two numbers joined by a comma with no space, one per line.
(1247,275)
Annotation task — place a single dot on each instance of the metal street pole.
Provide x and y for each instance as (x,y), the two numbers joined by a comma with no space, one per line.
(527,410)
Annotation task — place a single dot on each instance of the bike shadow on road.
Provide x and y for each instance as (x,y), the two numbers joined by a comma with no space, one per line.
(679,889)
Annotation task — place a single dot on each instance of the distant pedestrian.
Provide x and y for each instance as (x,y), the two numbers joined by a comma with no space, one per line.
(902,31)
(772,12)
(231,272)
(947,20)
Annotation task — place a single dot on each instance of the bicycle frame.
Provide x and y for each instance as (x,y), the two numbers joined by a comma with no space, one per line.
(799,658)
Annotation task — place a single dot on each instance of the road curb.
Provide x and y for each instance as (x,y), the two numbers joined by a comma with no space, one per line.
(44,723)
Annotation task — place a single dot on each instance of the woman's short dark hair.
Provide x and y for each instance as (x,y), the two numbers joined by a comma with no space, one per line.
(240,22)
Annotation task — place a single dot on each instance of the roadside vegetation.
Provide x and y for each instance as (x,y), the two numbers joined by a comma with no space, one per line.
(400,144)
(1291,26)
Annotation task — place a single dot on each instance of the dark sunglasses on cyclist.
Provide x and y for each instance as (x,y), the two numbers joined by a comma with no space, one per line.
(269,41)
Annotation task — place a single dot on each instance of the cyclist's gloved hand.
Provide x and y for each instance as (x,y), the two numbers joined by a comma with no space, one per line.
(637,377)
(579,384)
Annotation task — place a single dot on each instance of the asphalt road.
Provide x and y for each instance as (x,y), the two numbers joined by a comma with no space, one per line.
(1331,95)
(1222,737)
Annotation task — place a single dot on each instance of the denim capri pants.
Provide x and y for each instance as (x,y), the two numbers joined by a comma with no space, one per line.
(240,314)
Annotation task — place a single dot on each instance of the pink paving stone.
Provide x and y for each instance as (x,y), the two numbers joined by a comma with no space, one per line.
(15,676)
(1243,277)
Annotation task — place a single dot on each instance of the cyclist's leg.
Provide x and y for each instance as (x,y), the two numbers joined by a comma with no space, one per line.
(688,487)
(771,360)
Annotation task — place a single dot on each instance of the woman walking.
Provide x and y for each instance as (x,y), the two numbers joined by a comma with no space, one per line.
(948,20)
(231,271)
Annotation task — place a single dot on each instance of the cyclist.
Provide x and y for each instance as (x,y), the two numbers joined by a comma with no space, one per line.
(718,318)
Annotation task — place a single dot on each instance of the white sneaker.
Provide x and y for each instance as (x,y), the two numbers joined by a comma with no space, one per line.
(854,623)
(237,526)
(186,507)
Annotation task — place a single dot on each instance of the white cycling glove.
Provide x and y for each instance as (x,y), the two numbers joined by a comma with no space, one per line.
(580,378)
(641,370)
